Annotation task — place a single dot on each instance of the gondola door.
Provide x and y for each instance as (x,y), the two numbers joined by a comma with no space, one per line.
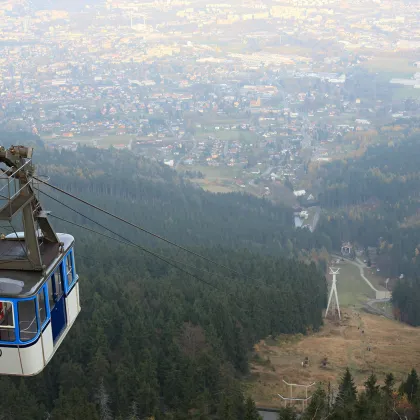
(57,304)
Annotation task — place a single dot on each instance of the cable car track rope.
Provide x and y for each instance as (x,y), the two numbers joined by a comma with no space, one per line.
(168,261)
(139,228)
(123,240)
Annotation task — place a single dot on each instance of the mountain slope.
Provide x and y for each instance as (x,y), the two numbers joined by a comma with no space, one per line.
(152,341)
(154,196)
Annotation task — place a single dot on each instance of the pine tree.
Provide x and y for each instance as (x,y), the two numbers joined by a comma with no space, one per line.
(372,389)
(347,391)
(102,398)
(287,413)
(133,412)
(227,409)
(411,385)
(251,412)
(388,390)
(317,408)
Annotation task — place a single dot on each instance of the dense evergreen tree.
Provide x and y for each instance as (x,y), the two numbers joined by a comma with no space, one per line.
(372,389)
(287,413)
(411,386)
(374,403)
(347,391)
(318,406)
(166,345)
(251,412)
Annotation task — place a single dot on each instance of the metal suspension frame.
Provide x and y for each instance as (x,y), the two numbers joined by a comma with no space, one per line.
(17,195)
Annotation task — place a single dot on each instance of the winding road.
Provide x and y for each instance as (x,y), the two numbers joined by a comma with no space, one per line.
(381,296)
(361,266)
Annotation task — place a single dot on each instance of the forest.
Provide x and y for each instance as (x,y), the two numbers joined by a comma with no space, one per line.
(374,402)
(172,206)
(374,201)
(154,341)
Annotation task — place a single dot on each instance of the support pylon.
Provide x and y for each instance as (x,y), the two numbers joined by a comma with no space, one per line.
(333,304)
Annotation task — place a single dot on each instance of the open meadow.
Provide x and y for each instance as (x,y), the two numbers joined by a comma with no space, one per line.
(351,288)
(394,347)
(363,342)
(103,142)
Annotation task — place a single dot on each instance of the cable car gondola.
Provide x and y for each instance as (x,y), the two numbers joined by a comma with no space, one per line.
(39,289)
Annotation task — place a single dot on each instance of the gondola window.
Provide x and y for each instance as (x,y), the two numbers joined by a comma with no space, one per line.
(28,326)
(7,324)
(42,307)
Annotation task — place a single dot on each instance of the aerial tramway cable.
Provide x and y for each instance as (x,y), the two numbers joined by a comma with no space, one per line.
(166,260)
(123,239)
(126,241)
(141,228)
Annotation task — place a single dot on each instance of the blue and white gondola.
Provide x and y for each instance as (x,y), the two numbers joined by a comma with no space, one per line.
(39,285)
(36,312)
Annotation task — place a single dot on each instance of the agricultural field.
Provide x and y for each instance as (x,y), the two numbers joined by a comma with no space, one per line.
(97,141)
(395,65)
(245,137)
(242,136)
(403,92)
(217,178)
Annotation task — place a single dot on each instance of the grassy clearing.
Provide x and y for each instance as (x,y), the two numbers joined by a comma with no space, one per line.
(213,187)
(401,92)
(385,307)
(218,179)
(113,140)
(395,65)
(351,288)
(103,142)
(344,345)
(214,173)
(236,135)
(374,278)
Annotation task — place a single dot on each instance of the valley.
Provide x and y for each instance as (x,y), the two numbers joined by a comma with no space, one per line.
(214,162)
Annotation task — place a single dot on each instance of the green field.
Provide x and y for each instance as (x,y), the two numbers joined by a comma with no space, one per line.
(404,92)
(236,135)
(374,278)
(214,173)
(113,140)
(103,142)
(242,136)
(395,65)
(351,288)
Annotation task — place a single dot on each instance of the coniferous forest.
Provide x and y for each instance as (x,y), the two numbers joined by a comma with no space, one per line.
(374,201)
(385,401)
(153,341)
(156,342)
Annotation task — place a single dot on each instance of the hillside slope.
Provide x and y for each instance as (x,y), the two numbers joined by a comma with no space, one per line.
(152,341)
